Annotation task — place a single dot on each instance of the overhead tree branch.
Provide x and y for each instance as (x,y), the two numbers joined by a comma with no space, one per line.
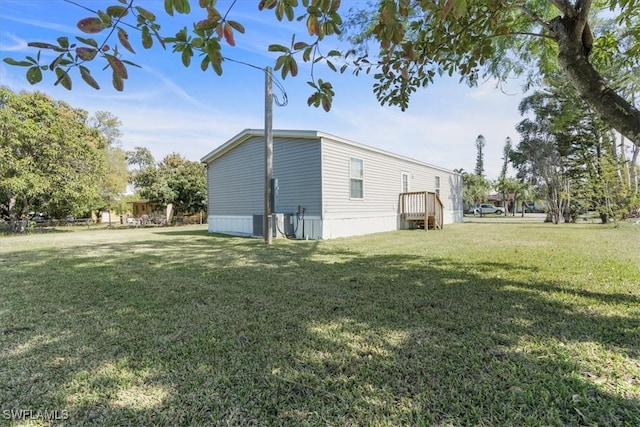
(565,7)
(582,9)
(536,18)
(524,33)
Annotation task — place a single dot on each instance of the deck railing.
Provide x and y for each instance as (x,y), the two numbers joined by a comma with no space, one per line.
(422,206)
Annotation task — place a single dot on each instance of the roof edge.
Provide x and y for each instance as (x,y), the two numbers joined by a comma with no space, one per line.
(249,133)
(308,134)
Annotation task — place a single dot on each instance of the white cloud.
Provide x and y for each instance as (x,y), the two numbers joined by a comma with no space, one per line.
(47,25)
(17,44)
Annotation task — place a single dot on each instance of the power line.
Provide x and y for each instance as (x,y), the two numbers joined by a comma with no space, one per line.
(279,85)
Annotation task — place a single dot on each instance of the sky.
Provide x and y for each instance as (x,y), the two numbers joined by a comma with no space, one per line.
(168,108)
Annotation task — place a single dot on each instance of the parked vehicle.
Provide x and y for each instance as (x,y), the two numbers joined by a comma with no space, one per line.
(487,208)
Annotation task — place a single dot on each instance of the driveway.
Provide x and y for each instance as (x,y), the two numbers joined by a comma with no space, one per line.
(528,217)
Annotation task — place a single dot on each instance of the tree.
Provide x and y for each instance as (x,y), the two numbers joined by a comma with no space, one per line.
(539,158)
(499,39)
(108,125)
(175,180)
(594,165)
(114,182)
(140,158)
(505,187)
(475,190)
(51,160)
(480,144)
(418,41)
(506,151)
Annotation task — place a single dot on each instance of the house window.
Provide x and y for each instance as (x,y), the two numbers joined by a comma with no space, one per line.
(405,182)
(438,186)
(356,181)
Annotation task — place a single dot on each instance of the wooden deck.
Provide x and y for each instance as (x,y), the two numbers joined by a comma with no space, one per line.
(421,208)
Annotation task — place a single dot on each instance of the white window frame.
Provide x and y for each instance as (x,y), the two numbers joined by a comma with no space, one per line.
(352,178)
(438,186)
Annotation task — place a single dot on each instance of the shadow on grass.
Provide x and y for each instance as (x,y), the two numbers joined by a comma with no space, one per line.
(226,331)
(190,232)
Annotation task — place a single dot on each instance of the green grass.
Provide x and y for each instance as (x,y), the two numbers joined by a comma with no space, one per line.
(477,324)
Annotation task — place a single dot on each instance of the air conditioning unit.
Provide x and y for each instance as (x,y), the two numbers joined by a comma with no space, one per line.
(284,225)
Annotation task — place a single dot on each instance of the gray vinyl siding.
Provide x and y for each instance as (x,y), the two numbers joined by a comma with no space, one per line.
(382,180)
(297,166)
(235,180)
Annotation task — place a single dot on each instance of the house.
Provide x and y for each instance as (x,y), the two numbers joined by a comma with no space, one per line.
(325,187)
(147,208)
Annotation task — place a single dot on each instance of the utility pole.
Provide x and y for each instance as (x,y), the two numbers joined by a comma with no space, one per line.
(268,152)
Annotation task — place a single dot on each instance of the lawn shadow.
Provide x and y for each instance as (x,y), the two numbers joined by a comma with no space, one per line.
(227,331)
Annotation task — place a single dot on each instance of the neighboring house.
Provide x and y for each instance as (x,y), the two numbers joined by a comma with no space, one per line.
(147,208)
(327,187)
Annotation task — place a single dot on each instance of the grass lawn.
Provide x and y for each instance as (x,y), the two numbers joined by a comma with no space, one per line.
(478,324)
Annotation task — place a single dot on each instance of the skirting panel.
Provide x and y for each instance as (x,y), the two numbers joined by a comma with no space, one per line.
(345,227)
(237,225)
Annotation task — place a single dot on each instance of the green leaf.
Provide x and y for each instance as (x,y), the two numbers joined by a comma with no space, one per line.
(306,55)
(117,82)
(279,62)
(90,42)
(286,67)
(63,78)
(63,42)
(236,26)
(146,14)
(86,53)
(300,45)
(181,6)
(147,41)
(186,56)
(123,37)
(56,62)
(205,63)
(86,76)
(40,45)
(133,64)
(34,75)
(117,11)
(277,48)
(105,18)
(11,61)
(326,103)
(117,66)
(91,25)
(168,7)
(330,65)
(288,10)
(293,66)
(217,67)
(206,24)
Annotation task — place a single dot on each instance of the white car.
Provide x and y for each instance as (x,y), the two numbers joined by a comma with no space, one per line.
(487,208)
